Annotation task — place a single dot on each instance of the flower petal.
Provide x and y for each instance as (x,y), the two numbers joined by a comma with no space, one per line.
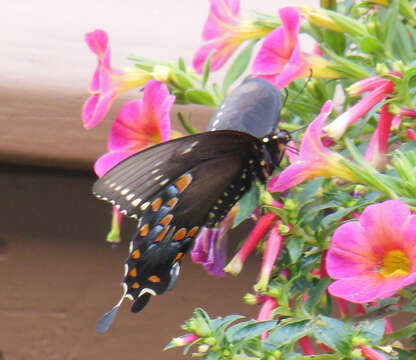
(97,41)
(384,225)
(311,146)
(94,109)
(107,161)
(293,175)
(365,288)
(223,13)
(350,254)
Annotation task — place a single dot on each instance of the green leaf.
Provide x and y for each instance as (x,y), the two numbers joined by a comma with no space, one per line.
(207,69)
(219,324)
(336,216)
(392,20)
(181,64)
(333,333)
(295,248)
(199,96)
(288,333)
(371,45)
(247,205)
(315,294)
(310,190)
(336,41)
(182,80)
(238,67)
(373,330)
(248,330)
(186,124)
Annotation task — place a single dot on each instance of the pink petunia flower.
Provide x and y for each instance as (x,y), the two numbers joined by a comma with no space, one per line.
(374,257)
(379,88)
(140,123)
(314,159)
(107,82)
(223,33)
(210,246)
(280,59)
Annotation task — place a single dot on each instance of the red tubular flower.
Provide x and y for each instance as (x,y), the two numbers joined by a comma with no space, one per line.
(271,254)
(372,354)
(185,339)
(379,142)
(107,83)
(306,345)
(379,88)
(260,230)
(266,312)
(411,134)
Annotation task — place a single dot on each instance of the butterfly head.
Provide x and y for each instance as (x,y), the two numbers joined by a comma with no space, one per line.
(275,146)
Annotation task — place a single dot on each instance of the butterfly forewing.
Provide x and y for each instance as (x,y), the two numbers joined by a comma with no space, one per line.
(131,184)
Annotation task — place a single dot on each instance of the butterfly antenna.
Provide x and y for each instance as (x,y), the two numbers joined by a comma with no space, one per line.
(107,319)
(303,88)
(286,97)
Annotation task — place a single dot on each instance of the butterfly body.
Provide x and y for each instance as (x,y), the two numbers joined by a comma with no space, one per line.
(175,188)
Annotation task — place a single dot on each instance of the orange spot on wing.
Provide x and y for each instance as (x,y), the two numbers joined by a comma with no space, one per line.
(136,254)
(179,235)
(144,230)
(156,204)
(193,231)
(162,234)
(183,182)
(154,279)
(133,272)
(179,256)
(135,285)
(166,220)
(172,202)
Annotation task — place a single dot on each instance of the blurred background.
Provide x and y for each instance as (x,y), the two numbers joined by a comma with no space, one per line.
(57,274)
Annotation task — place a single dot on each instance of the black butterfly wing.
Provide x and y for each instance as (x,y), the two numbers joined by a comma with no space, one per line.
(198,179)
(132,183)
(253,107)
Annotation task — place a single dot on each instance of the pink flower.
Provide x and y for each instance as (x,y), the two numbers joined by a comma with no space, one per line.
(379,88)
(372,354)
(280,59)
(107,82)
(223,33)
(411,134)
(113,237)
(314,158)
(379,142)
(266,312)
(374,257)
(257,234)
(185,340)
(140,123)
(271,254)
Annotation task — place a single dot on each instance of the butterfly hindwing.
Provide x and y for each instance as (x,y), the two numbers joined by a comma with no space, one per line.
(167,228)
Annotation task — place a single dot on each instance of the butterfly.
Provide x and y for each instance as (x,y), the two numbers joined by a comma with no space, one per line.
(175,188)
